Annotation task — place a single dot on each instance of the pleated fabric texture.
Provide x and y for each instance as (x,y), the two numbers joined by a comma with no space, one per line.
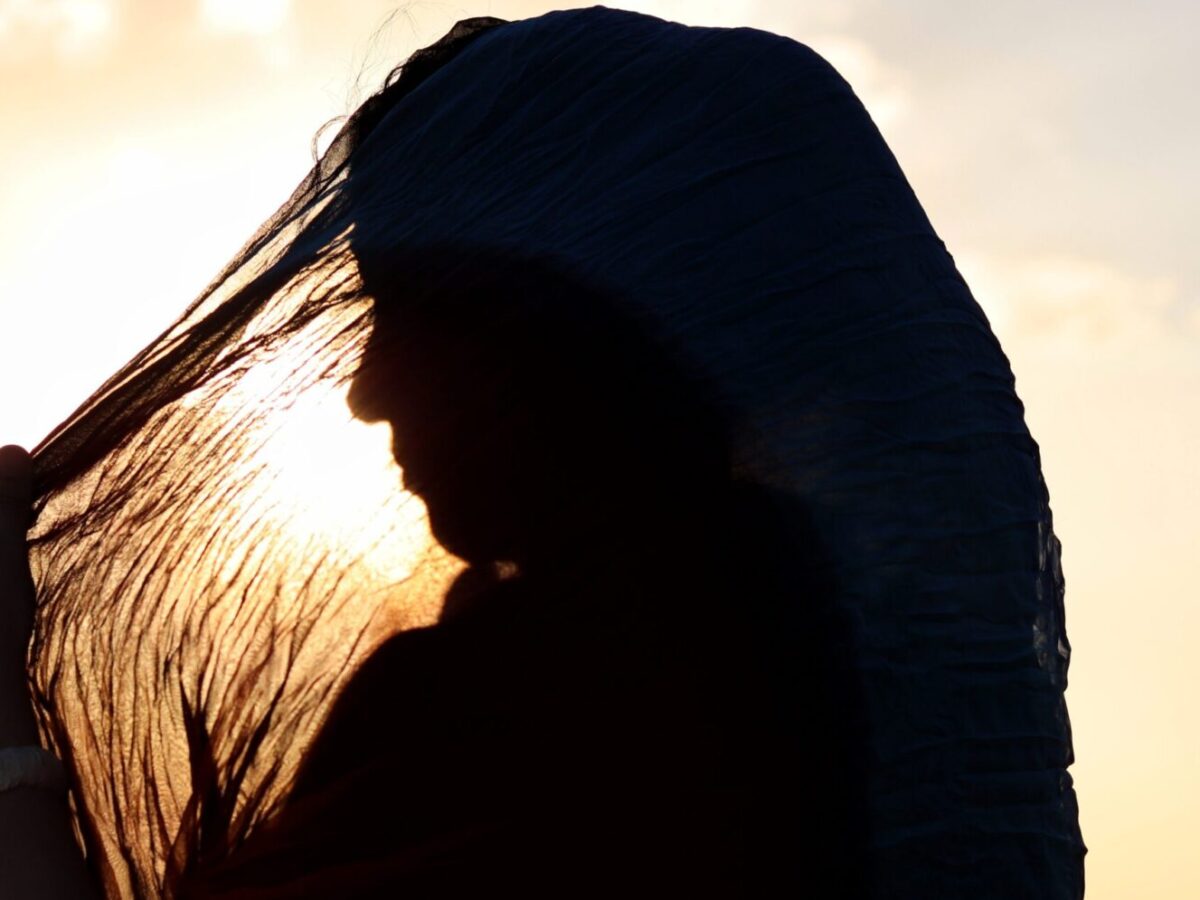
(202,602)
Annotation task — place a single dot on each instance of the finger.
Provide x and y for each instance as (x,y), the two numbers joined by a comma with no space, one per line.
(16,482)
(15,463)
(16,586)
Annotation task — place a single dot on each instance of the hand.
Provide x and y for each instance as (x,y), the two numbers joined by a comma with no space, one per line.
(38,854)
(16,584)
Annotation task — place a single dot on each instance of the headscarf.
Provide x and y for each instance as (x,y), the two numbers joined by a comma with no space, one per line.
(204,596)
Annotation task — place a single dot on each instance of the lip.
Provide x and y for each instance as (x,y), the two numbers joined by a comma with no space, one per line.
(409,483)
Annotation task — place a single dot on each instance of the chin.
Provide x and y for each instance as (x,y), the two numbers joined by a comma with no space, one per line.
(464,537)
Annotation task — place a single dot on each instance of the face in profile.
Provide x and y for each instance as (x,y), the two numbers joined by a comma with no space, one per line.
(486,404)
(455,433)
(529,415)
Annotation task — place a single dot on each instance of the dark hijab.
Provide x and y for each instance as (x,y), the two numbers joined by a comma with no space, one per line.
(758,585)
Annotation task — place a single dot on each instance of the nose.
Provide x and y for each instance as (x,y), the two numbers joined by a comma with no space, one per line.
(363,396)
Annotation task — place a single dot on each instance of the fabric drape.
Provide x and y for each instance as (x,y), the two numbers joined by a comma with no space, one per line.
(213,561)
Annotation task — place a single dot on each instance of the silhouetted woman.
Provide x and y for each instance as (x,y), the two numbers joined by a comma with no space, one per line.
(761,595)
(596,712)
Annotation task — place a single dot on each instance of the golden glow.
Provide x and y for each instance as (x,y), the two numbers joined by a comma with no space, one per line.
(332,471)
(332,485)
(149,140)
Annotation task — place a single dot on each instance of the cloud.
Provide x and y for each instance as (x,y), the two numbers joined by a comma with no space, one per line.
(1077,302)
(255,17)
(72,27)
(712,13)
(882,88)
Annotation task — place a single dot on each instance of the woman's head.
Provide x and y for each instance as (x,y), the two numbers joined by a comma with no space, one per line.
(528,412)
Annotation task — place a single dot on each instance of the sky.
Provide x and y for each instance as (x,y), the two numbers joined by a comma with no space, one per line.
(1053,146)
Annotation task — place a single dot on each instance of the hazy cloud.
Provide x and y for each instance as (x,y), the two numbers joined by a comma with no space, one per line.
(67,28)
(719,13)
(258,17)
(882,88)
(1078,302)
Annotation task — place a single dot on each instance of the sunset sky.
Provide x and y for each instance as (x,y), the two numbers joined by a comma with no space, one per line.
(1054,146)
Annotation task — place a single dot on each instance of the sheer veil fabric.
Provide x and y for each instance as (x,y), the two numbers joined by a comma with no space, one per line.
(213,566)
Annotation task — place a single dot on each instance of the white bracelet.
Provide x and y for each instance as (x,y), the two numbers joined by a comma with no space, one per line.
(31,767)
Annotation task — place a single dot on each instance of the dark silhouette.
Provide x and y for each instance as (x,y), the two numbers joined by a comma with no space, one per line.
(633,685)
(681,369)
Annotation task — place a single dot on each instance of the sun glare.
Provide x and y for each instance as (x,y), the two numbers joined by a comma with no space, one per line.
(331,483)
